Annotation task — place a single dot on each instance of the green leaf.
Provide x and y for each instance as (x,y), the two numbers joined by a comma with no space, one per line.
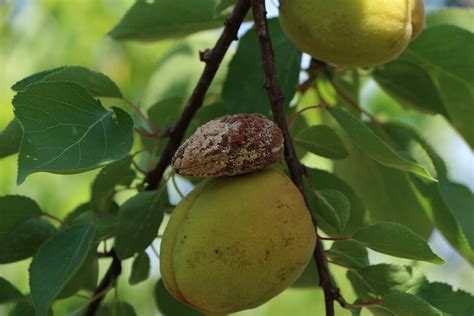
(451,203)
(56,263)
(411,85)
(8,293)
(168,305)
(375,184)
(443,297)
(10,139)
(98,84)
(324,180)
(37,77)
(23,241)
(364,138)
(85,278)
(158,20)
(67,131)
(14,210)
(349,253)
(243,89)
(396,240)
(384,279)
(139,220)
(25,308)
(403,304)
(333,207)
(321,140)
(140,268)
(453,16)
(310,276)
(224,4)
(165,112)
(451,69)
(103,188)
(105,224)
(116,309)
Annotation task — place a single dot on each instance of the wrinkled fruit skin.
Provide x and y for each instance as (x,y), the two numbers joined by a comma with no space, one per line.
(352,32)
(236,242)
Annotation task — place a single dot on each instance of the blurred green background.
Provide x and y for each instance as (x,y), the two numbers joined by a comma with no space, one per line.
(42,34)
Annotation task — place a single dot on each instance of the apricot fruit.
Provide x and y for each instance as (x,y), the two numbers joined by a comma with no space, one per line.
(352,32)
(235,242)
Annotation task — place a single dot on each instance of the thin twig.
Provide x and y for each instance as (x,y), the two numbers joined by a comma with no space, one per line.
(53,217)
(137,109)
(297,113)
(213,59)
(331,292)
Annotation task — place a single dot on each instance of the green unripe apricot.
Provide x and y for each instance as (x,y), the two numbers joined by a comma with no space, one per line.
(352,32)
(236,242)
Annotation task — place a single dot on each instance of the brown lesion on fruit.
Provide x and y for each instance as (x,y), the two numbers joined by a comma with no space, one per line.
(230,145)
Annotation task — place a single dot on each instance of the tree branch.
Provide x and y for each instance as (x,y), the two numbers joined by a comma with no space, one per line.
(331,292)
(213,59)
(108,282)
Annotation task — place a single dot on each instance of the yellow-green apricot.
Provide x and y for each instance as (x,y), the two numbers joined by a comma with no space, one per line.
(352,32)
(236,242)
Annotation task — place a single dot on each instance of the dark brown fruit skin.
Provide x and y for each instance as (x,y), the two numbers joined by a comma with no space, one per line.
(229,146)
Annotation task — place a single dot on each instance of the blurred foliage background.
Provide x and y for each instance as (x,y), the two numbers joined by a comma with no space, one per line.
(42,34)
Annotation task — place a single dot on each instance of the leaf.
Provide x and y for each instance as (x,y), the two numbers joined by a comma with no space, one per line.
(324,180)
(384,279)
(23,241)
(334,207)
(85,278)
(140,268)
(162,19)
(116,309)
(14,210)
(25,308)
(451,203)
(411,85)
(56,263)
(105,224)
(396,240)
(67,131)
(309,278)
(243,89)
(403,304)
(375,185)
(365,139)
(103,188)
(453,16)
(139,220)
(443,297)
(8,293)
(37,77)
(10,139)
(451,69)
(349,253)
(321,140)
(98,84)
(224,4)
(168,305)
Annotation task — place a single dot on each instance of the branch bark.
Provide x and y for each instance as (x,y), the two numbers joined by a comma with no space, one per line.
(331,292)
(213,59)
(108,282)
